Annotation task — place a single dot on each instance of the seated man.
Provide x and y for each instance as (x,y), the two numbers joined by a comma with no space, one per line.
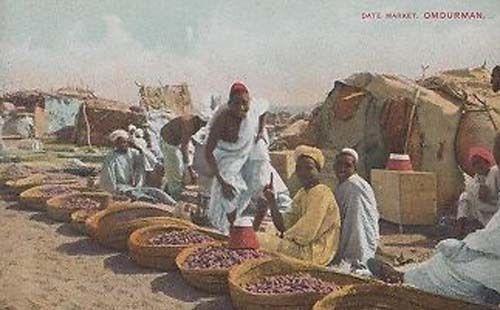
(123,172)
(477,205)
(358,211)
(309,230)
(465,269)
(176,143)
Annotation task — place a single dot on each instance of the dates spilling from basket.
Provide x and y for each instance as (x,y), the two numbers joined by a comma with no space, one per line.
(179,237)
(220,257)
(81,203)
(291,283)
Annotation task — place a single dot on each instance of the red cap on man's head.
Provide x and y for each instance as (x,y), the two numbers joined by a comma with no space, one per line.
(238,88)
(481,152)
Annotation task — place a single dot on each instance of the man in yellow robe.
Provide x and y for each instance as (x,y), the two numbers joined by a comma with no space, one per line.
(310,230)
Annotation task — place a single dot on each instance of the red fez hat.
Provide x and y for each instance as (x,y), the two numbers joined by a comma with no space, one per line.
(238,88)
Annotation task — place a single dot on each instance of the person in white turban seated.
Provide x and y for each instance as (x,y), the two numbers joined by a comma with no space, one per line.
(123,172)
(310,229)
(359,216)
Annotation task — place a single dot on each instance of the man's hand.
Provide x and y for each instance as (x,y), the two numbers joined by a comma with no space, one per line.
(268,192)
(228,191)
(484,193)
(231,217)
(259,136)
(193,175)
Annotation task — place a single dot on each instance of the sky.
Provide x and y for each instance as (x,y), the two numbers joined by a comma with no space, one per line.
(288,52)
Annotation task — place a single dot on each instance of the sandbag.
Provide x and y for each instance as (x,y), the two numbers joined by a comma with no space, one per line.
(380,296)
(251,271)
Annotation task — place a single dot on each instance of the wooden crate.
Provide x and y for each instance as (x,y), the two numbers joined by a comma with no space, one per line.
(406,197)
(284,163)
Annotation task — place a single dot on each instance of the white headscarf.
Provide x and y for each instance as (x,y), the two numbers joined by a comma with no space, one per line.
(139,133)
(351,152)
(119,133)
(131,128)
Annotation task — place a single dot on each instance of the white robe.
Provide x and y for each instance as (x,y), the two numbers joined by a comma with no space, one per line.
(123,173)
(230,159)
(468,269)
(470,206)
(359,222)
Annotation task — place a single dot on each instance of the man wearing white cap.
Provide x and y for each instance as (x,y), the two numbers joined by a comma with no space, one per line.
(359,216)
(123,172)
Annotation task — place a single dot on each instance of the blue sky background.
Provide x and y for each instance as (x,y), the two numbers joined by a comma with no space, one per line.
(289,52)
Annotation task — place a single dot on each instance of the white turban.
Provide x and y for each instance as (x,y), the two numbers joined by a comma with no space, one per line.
(119,133)
(351,152)
(139,133)
(131,128)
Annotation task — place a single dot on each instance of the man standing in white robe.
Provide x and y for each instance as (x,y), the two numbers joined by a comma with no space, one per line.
(233,132)
(359,215)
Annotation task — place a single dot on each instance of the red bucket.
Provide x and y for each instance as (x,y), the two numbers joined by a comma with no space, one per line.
(399,162)
(242,236)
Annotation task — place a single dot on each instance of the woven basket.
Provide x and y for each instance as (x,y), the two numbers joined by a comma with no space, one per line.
(117,236)
(20,172)
(79,219)
(38,179)
(36,198)
(210,280)
(161,257)
(380,296)
(251,271)
(57,211)
(123,211)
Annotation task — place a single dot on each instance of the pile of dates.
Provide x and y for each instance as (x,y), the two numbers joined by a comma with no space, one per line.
(291,283)
(56,191)
(179,237)
(81,203)
(58,176)
(16,171)
(218,257)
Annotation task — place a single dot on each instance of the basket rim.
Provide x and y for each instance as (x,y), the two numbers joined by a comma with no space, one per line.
(384,290)
(283,260)
(184,254)
(135,238)
(29,193)
(57,201)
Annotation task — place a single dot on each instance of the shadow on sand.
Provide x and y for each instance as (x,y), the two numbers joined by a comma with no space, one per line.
(84,246)
(220,302)
(123,264)
(173,285)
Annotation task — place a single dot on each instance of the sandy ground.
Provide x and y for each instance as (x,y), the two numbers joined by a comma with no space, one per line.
(45,265)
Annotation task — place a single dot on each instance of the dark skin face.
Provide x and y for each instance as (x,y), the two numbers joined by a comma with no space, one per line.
(307,171)
(239,105)
(495,80)
(121,145)
(345,166)
(479,165)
